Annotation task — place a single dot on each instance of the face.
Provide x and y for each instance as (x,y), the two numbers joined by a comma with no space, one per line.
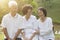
(40,13)
(13,9)
(29,12)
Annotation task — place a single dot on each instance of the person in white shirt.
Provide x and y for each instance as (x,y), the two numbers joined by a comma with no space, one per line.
(29,21)
(12,22)
(45,25)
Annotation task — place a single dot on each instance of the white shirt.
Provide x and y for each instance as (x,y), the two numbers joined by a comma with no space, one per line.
(30,26)
(46,28)
(12,24)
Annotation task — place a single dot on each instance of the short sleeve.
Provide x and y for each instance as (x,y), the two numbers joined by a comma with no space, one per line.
(22,26)
(4,22)
(50,24)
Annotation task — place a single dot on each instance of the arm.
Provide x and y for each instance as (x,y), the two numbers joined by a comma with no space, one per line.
(50,27)
(4,25)
(23,35)
(35,25)
(6,33)
(34,34)
(17,33)
(20,28)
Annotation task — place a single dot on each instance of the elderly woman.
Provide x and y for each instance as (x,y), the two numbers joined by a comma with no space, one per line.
(29,21)
(45,26)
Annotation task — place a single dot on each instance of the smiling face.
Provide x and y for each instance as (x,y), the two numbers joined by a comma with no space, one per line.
(13,10)
(40,13)
(29,12)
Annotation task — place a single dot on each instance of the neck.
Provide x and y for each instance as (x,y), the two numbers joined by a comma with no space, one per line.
(42,19)
(27,17)
(13,14)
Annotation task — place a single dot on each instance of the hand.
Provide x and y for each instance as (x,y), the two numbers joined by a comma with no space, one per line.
(9,39)
(26,39)
(30,39)
(37,32)
(14,39)
(23,33)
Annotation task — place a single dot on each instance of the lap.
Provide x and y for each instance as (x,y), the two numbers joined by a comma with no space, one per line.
(16,39)
(50,39)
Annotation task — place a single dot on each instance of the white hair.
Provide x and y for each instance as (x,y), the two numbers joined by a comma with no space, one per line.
(11,3)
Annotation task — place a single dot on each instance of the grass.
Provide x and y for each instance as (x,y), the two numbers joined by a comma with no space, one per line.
(57,37)
(57,28)
(1,34)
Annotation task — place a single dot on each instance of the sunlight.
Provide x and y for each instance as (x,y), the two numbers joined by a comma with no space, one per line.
(3,3)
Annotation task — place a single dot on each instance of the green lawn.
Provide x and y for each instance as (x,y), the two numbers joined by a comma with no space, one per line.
(1,34)
(57,37)
(57,28)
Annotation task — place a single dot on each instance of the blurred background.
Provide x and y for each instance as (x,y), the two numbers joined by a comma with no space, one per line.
(52,7)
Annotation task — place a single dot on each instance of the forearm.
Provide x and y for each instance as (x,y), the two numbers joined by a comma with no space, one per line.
(17,33)
(46,32)
(5,32)
(49,31)
(23,35)
(33,35)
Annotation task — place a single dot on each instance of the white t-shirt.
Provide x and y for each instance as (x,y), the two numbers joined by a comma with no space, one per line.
(30,25)
(46,28)
(12,24)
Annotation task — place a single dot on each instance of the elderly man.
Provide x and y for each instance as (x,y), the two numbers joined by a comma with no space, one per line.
(12,22)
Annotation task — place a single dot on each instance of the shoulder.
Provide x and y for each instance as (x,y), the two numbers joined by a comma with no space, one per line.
(24,17)
(6,16)
(49,19)
(20,16)
(33,17)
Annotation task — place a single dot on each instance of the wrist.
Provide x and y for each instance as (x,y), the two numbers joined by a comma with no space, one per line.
(14,37)
(8,37)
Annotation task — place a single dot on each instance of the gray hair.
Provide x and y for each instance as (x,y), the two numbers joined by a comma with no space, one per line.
(11,3)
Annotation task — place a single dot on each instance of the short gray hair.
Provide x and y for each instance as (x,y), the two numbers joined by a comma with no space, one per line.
(11,3)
